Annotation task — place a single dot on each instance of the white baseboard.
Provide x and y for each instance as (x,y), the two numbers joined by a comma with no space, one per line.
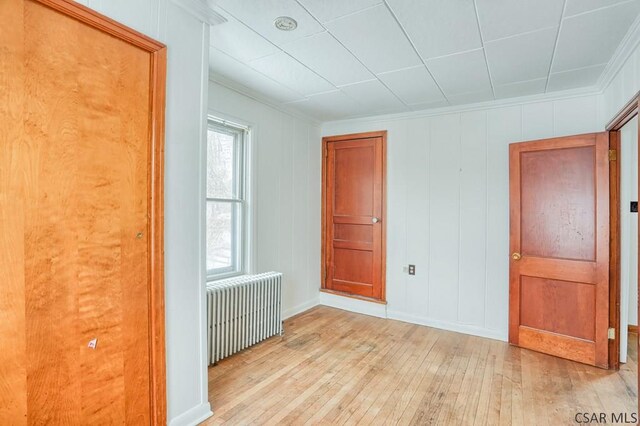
(192,417)
(354,305)
(381,311)
(288,313)
(449,326)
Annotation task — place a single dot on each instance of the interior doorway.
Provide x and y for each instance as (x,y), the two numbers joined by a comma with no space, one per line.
(627,153)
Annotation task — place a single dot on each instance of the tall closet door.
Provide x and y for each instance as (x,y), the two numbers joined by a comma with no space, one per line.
(78,218)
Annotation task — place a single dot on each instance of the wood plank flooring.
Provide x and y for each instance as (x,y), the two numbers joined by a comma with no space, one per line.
(337,367)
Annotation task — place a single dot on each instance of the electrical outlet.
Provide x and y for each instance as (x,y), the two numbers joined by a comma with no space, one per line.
(634,207)
(412,269)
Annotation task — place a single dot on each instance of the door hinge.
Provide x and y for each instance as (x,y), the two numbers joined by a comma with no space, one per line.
(612,333)
(613,155)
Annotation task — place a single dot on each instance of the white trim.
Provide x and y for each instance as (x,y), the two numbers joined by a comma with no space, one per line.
(202,222)
(382,311)
(449,326)
(201,10)
(288,313)
(624,51)
(193,416)
(523,100)
(354,305)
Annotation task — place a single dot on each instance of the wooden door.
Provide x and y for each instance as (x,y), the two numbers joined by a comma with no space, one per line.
(81,136)
(559,274)
(354,214)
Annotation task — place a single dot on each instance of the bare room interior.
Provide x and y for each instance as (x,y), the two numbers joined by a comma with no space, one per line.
(265,212)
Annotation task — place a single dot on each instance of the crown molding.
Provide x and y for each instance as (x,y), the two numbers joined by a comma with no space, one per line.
(624,51)
(479,106)
(255,96)
(202,10)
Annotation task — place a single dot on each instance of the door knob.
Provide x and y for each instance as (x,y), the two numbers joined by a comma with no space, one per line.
(375,220)
(516,256)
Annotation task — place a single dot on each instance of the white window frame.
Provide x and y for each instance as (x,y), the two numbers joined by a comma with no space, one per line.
(239,243)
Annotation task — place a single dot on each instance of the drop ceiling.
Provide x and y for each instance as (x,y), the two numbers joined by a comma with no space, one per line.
(351,58)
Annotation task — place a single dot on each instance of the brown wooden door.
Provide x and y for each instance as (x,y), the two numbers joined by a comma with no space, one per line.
(354,214)
(81,313)
(559,274)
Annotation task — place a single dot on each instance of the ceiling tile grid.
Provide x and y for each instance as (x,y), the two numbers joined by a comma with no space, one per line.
(363,57)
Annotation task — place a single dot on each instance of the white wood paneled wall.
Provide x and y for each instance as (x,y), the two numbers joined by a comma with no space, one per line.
(448,207)
(286,186)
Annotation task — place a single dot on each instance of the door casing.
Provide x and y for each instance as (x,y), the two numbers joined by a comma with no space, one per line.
(629,111)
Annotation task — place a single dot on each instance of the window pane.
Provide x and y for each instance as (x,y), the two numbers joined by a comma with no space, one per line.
(220,236)
(220,164)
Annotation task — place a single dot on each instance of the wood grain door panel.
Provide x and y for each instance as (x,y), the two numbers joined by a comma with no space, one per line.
(559,301)
(81,229)
(353,214)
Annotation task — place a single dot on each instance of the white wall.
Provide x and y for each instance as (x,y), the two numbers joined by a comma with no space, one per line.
(285,186)
(187,39)
(448,207)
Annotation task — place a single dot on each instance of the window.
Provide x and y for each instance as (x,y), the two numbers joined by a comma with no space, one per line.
(226,203)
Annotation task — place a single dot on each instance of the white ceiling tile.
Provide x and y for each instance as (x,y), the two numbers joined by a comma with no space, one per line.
(575,7)
(518,40)
(261,14)
(239,41)
(291,73)
(373,96)
(522,88)
(437,27)
(327,10)
(461,73)
(582,77)
(328,106)
(231,69)
(375,38)
(413,85)
(321,52)
(591,38)
(504,18)
(473,97)
(523,57)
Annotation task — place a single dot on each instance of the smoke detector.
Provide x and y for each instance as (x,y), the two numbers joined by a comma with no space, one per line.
(285,23)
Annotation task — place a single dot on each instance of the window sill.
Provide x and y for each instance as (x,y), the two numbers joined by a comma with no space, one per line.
(221,277)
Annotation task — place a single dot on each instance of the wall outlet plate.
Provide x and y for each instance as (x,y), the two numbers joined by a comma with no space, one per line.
(412,269)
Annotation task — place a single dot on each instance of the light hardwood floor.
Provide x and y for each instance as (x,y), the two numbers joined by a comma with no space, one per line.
(337,367)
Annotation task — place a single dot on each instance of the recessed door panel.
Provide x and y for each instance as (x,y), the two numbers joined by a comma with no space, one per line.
(558,203)
(544,305)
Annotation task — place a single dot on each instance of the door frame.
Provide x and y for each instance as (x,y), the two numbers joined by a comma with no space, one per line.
(626,113)
(383,277)
(155,204)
